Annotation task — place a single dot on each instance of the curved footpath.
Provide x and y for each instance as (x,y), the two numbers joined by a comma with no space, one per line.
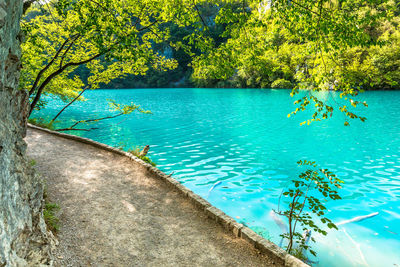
(114,213)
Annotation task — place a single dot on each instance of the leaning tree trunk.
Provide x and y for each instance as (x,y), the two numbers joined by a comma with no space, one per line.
(23,236)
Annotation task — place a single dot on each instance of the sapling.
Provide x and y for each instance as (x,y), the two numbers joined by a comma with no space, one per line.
(305,206)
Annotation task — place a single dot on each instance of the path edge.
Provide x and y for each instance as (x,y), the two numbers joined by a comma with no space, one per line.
(237,229)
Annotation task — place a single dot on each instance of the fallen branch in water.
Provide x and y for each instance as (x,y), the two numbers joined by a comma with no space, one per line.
(123,110)
(71,128)
(358,218)
(74,129)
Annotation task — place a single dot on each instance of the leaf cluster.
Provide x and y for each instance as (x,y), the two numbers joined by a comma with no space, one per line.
(110,38)
(347,46)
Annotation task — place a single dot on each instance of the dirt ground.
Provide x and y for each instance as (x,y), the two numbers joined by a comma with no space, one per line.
(114,214)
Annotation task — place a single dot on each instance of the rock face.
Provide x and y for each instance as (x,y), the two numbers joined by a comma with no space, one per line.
(23,235)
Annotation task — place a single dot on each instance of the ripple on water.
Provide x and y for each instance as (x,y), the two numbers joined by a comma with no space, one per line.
(243,139)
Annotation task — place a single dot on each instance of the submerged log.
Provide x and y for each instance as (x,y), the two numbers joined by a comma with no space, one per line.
(358,218)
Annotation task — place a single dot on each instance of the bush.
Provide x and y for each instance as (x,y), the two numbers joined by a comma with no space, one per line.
(136,152)
(41,123)
(282,84)
(50,217)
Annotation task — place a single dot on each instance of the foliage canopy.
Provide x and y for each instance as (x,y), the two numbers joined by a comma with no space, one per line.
(346,45)
(110,38)
(349,46)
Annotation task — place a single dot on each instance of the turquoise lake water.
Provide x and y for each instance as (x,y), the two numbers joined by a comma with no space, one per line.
(243,139)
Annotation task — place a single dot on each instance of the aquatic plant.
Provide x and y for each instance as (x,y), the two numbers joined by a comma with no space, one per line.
(305,204)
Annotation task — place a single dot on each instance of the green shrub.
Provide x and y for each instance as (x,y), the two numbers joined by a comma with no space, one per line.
(41,123)
(148,160)
(136,152)
(50,212)
(282,84)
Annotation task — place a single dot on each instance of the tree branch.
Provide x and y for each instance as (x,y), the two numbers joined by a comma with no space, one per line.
(33,88)
(308,9)
(27,4)
(70,103)
(290,220)
(148,26)
(106,9)
(71,128)
(57,72)
(199,14)
(302,205)
(68,48)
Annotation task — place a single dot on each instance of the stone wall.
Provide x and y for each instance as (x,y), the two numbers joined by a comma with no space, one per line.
(23,235)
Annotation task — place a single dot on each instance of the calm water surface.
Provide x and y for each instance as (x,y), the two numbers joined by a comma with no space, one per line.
(243,139)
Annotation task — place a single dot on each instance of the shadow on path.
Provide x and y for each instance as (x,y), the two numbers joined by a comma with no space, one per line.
(114,214)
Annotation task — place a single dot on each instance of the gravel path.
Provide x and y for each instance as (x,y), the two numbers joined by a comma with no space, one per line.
(114,214)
